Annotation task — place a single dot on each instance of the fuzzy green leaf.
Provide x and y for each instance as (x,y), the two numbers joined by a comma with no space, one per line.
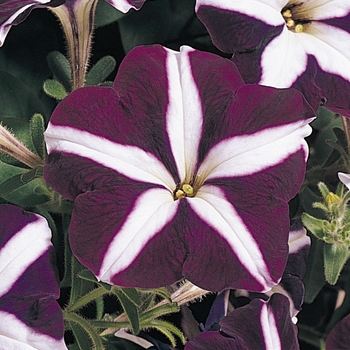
(335,257)
(100,71)
(60,67)
(314,225)
(130,309)
(133,295)
(37,128)
(55,89)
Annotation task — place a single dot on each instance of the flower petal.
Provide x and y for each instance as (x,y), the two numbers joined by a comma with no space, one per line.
(13,12)
(126,5)
(30,316)
(213,208)
(345,179)
(128,160)
(339,336)
(253,326)
(247,23)
(153,210)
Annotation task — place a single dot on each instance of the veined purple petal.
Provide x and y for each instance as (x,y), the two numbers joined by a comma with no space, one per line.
(125,155)
(213,208)
(307,59)
(13,12)
(339,336)
(126,5)
(30,316)
(258,325)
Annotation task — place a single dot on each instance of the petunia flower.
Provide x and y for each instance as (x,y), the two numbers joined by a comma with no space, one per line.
(30,317)
(179,170)
(291,284)
(287,43)
(258,325)
(339,337)
(13,12)
(345,179)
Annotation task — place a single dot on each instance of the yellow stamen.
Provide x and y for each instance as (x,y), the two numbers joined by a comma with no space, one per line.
(180,194)
(188,189)
(299,28)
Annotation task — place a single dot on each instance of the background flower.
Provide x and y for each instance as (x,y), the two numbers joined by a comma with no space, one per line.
(258,325)
(182,159)
(30,316)
(301,44)
(13,12)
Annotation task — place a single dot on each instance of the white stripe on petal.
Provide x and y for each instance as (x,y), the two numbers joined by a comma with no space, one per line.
(249,154)
(330,46)
(268,11)
(121,5)
(131,161)
(23,249)
(325,9)
(213,208)
(283,60)
(269,328)
(16,335)
(184,117)
(152,211)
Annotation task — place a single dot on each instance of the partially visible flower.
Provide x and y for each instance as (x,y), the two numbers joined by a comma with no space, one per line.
(258,325)
(30,317)
(288,43)
(291,284)
(345,179)
(339,337)
(180,170)
(13,12)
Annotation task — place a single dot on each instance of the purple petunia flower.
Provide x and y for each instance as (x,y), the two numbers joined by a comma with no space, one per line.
(289,43)
(339,337)
(13,12)
(30,317)
(180,170)
(258,325)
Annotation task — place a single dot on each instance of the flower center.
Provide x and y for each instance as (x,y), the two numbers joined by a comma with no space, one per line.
(295,17)
(186,190)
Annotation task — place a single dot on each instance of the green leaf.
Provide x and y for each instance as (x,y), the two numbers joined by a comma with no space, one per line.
(37,128)
(335,257)
(106,14)
(60,67)
(18,100)
(150,25)
(100,71)
(129,308)
(55,89)
(133,295)
(314,278)
(26,189)
(81,328)
(314,225)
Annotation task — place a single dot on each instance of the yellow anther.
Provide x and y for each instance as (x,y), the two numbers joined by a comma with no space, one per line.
(299,28)
(290,23)
(287,14)
(188,189)
(180,194)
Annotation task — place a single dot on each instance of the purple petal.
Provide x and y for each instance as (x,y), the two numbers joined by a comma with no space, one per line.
(13,12)
(254,326)
(315,61)
(29,283)
(122,155)
(339,337)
